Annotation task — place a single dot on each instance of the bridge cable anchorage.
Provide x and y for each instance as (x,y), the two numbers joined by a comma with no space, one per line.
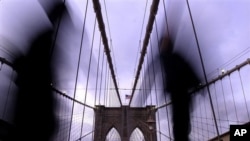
(153,12)
(97,8)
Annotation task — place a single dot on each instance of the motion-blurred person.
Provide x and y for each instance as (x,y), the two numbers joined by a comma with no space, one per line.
(180,79)
(34,116)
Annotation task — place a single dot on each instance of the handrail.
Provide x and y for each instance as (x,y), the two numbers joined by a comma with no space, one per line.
(65,95)
(5,61)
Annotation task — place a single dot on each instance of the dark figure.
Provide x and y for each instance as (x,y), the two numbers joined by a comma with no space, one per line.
(35,117)
(180,80)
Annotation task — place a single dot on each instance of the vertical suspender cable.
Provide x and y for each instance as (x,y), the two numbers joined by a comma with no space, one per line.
(63,104)
(166,18)
(56,34)
(111,44)
(139,47)
(97,71)
(161,67)
(108,88)
(101,89)
(141,91)
(205,109)
(57,135)
(59,117)
(202,134)
(156,29)
(8,93)
(153,11)
(156,97)
(233,98)
(244,94)
(96,84)
(203,68)
(87,84)
(78,66)
(97,8)
(145,88)
(105,86)
(140,101)
(223,93)
(150,82)
(63,115)
(105,83)
(216,99)
(1,66)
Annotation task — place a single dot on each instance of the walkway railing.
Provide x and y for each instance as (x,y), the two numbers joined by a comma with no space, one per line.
(230,95)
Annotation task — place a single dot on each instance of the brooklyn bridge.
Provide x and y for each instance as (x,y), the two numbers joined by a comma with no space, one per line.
(123,70)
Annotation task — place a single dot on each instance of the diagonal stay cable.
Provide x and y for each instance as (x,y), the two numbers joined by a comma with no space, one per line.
(139,47)
(203,67)
(87,84)
(78,67)
(79,139)
(111,44)
(153,11)
(97,8)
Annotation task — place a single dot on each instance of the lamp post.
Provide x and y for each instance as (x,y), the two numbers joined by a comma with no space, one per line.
(150,122)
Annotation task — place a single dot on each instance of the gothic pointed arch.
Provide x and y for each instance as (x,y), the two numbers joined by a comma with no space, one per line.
(124,120)
(137,135)
(113,135)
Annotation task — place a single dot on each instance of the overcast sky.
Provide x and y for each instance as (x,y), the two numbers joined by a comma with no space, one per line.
(223,29)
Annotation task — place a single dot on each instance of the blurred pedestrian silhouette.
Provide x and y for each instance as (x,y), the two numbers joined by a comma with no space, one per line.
(34,116)
(179,80)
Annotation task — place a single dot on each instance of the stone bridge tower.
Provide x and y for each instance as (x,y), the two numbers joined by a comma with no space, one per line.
(125,119)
